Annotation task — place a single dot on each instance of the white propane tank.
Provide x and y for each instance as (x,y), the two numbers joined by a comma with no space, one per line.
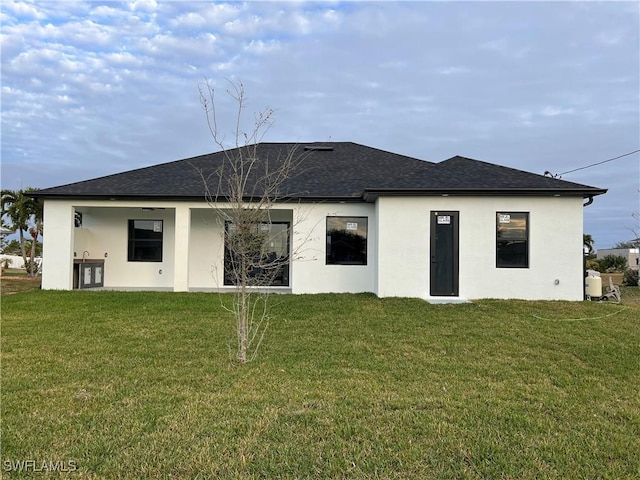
(593,287)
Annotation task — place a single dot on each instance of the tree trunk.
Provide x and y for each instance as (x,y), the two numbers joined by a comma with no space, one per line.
(23,250)
(243,321)
(32,269)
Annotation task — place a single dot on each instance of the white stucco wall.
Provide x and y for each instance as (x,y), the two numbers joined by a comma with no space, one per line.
(398,247)
(206,249)
(555,247)
(57,246)
(310,273)
(403,247)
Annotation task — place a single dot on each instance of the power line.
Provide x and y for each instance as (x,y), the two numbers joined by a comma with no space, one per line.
(594,164)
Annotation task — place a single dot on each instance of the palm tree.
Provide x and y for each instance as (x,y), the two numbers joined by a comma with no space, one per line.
(588,242)
(25,214)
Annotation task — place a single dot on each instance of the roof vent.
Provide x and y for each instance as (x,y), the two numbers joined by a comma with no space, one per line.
(318,148)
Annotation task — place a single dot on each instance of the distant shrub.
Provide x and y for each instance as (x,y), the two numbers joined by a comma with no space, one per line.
(630,278)
(593,264)
(613,263)
(33,269)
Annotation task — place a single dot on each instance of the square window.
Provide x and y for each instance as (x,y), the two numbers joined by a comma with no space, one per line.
(347,240)
(512,240)
(145,241)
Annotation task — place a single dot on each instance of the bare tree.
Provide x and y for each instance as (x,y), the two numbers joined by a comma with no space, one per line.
(242,191)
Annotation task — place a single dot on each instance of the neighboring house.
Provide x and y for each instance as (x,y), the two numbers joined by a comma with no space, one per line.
(365,220)
(631,254)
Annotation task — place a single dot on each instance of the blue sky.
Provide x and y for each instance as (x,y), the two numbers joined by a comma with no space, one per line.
(94,88)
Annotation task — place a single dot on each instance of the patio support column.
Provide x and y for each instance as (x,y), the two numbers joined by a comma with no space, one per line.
(58,244)
(181,249)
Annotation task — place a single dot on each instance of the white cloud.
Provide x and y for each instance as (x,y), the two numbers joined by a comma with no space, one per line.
(106,12)
(207,15)
(551,111)
(124,59)
(506,48)
(498,45)
(453,70)
(243,27)
(143,5)
(609,38)
(11,45)
(22,10)
(261,47)
(301,24)
(90,33)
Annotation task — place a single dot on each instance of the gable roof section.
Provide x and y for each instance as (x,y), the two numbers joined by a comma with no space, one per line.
(333,170)
(465,176)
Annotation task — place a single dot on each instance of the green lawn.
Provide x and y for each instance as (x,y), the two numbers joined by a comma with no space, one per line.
(142,385)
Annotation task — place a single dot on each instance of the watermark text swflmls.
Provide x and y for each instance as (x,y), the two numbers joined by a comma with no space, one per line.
(39,465)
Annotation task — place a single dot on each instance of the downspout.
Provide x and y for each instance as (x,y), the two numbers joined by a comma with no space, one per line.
(584,258)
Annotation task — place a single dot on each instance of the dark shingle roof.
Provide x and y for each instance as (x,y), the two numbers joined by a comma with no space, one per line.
(338,170)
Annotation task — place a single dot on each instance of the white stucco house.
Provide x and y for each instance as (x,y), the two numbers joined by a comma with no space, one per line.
(359,219)
(631,254)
